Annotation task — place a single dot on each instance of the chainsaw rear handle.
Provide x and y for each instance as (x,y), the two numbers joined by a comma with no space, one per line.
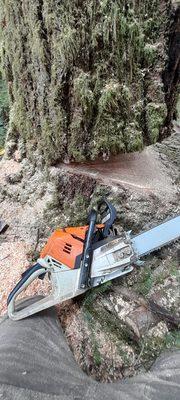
(108,215)
(27,278)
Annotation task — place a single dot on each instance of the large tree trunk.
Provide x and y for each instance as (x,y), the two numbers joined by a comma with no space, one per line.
(85,76)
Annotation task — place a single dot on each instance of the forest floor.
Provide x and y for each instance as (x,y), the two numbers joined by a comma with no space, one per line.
(119,329)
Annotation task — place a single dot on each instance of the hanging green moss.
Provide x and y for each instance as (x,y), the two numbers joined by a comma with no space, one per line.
(77,73)
(155,114)
(133,138)
(4,111)
(150,54)
(113,113)
(83,95)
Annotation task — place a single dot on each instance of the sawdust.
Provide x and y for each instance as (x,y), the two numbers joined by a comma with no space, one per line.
(16,243)
(159,330)
(13,261)
(7,168)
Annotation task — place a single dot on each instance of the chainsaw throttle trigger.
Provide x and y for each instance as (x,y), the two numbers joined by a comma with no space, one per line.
(108,215)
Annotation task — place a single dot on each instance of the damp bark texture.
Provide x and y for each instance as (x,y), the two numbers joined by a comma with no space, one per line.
(88,78)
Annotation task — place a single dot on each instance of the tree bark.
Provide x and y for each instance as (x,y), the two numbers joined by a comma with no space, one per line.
(85,77)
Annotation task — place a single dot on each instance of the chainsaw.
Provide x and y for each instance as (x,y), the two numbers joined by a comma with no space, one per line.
(80,258)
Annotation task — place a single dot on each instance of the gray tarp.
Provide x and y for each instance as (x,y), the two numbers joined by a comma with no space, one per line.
(36,363)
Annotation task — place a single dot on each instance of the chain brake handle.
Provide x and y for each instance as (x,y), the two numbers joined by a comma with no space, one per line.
(108,215)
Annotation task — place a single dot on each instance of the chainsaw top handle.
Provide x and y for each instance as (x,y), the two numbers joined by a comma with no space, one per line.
(108,215)
(87,251)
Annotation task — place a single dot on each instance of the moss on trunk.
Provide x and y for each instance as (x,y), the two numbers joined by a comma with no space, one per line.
(4,110)
(85,77)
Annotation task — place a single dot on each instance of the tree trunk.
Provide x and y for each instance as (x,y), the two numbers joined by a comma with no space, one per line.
(85,76)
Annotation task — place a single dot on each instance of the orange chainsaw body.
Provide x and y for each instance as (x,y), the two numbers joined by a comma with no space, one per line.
(66,245)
